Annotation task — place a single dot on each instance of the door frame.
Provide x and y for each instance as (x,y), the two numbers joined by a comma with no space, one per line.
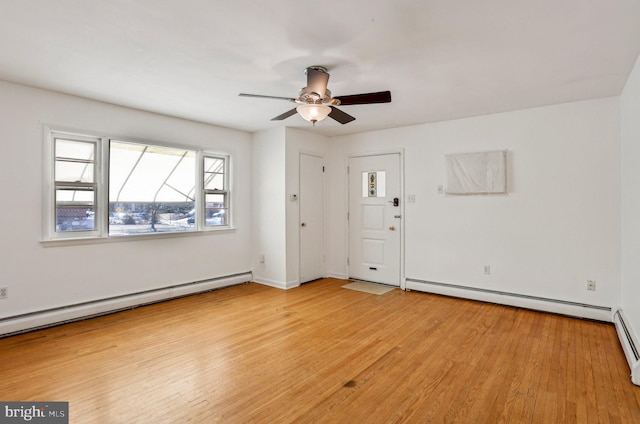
(399,152)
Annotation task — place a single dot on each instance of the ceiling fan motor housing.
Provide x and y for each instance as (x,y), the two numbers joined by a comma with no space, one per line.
(310,97)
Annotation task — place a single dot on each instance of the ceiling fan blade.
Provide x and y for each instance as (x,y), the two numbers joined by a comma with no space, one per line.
(317,80)
(364,99)
(340,116)
(260,96)
(285,115)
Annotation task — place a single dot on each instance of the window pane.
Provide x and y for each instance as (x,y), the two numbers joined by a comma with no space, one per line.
(74,196)
(374,184)
(75,209)
(83,150)
(151,189)
(215,210)
(213,164)
(213,181)
(74,171)
(213,173)
(74,160)
(75,219)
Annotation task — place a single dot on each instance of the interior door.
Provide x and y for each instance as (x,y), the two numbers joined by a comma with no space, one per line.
(374,218)
(312,263)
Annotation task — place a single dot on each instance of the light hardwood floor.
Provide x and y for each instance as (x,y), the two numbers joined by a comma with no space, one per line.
(321,353)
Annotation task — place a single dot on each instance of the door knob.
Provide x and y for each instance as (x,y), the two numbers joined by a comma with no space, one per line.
(304,224)
(392,228)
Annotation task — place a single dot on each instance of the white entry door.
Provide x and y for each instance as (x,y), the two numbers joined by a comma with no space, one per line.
(312,261)
(374,218)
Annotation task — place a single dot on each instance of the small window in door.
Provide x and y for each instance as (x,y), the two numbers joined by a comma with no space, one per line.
(373,184)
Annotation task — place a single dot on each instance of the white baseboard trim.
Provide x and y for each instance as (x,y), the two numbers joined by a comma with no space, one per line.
(283,285)
(630,344)
(600,313)
(339,276)
(292,284)
(47,318)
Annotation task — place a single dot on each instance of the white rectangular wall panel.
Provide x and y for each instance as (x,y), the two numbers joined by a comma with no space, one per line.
(476,173)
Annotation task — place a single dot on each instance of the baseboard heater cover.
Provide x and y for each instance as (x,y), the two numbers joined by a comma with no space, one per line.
(47,318)
(600,313)
(629,343)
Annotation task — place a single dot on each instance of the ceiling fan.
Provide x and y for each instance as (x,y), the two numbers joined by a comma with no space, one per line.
(315,101)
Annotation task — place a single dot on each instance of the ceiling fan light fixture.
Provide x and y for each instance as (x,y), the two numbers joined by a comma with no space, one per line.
(313,113)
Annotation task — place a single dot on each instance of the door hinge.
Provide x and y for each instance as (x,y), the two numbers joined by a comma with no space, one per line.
(348,170)
(348,261)
(323,169)
(347,216)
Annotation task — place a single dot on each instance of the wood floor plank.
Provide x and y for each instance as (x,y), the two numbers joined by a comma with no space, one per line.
(507,365)
(519,401)
(321,353)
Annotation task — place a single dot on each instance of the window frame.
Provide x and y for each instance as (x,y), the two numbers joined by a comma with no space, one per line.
(51,184)
(225,191)
(101,187)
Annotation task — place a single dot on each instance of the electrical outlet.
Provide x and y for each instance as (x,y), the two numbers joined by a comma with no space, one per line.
(4,292)
(591,285)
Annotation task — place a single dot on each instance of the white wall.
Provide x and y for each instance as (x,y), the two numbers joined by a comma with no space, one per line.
(42,277)
(558,227)
(269,207)
(630,105)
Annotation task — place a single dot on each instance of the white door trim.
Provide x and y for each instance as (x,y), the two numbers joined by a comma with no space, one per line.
(399,152)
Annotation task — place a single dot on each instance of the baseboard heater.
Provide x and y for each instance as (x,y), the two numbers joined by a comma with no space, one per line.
(629,344)
(47,318)
(600,313)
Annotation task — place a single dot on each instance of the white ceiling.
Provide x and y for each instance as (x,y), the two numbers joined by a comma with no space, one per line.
(441,59)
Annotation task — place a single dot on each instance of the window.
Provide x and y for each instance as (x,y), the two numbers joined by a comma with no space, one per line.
(374,184)
(75,183)
(104,187)
(216,195)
